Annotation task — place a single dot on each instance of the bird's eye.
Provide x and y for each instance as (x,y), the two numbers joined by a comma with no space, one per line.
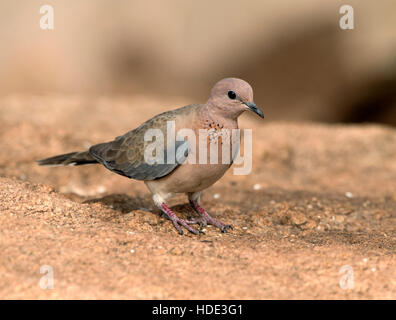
(231,95)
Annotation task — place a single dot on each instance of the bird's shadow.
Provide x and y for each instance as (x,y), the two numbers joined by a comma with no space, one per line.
(125,204)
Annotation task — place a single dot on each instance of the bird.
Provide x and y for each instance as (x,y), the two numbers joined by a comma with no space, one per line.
(125,155)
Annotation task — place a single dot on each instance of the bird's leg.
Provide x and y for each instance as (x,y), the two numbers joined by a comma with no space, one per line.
(177,221)
(160,201)
(205,217)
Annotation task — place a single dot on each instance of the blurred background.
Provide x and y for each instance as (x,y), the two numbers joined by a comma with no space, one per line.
(318,197)
(301,64)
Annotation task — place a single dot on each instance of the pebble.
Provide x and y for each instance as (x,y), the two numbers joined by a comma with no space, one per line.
(216,196)
(132,251)
(339,219)
(298,218)
(311,224)
(176,251)
(349,195)
(257,186)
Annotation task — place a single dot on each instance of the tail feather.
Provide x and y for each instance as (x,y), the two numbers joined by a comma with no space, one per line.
(68,159)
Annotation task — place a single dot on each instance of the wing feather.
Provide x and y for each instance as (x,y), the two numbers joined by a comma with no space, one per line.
(125,154)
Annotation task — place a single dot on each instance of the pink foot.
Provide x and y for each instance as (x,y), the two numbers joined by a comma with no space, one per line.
(177,221)
(208,219)
(200,221)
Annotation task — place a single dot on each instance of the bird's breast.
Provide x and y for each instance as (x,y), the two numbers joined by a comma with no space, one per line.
(190,178)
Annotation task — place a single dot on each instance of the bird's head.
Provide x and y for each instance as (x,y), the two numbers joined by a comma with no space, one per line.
(232,96)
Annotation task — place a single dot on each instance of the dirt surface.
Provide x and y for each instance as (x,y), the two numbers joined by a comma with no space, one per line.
(319,198)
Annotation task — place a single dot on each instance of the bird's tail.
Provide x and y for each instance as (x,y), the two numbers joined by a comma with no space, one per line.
(68,159)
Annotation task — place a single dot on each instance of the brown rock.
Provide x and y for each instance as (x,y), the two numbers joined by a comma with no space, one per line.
(298,218)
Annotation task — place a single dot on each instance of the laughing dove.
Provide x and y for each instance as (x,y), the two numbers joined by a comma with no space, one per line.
(126,156)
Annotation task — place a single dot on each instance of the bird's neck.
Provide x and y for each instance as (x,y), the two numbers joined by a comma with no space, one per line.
(214,114)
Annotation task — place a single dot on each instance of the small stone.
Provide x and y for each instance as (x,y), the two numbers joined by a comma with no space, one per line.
(261,221)
(257,186)
(176,251)
(298,218)
(349,195)
(339,219)
(311,224)
(151,219)
(216,196)
(132,251)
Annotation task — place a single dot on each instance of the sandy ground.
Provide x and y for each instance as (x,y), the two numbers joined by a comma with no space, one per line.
(319,198)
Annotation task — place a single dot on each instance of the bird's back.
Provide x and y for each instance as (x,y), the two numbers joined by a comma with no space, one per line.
(125,154)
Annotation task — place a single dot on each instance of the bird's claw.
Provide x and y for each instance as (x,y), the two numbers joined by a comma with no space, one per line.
(225,227)
(177,222)
(207,219)
(200,221)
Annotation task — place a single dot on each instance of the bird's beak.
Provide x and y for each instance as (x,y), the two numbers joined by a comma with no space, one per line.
(252,106)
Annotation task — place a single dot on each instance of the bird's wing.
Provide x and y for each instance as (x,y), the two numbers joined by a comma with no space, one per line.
(125,155)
